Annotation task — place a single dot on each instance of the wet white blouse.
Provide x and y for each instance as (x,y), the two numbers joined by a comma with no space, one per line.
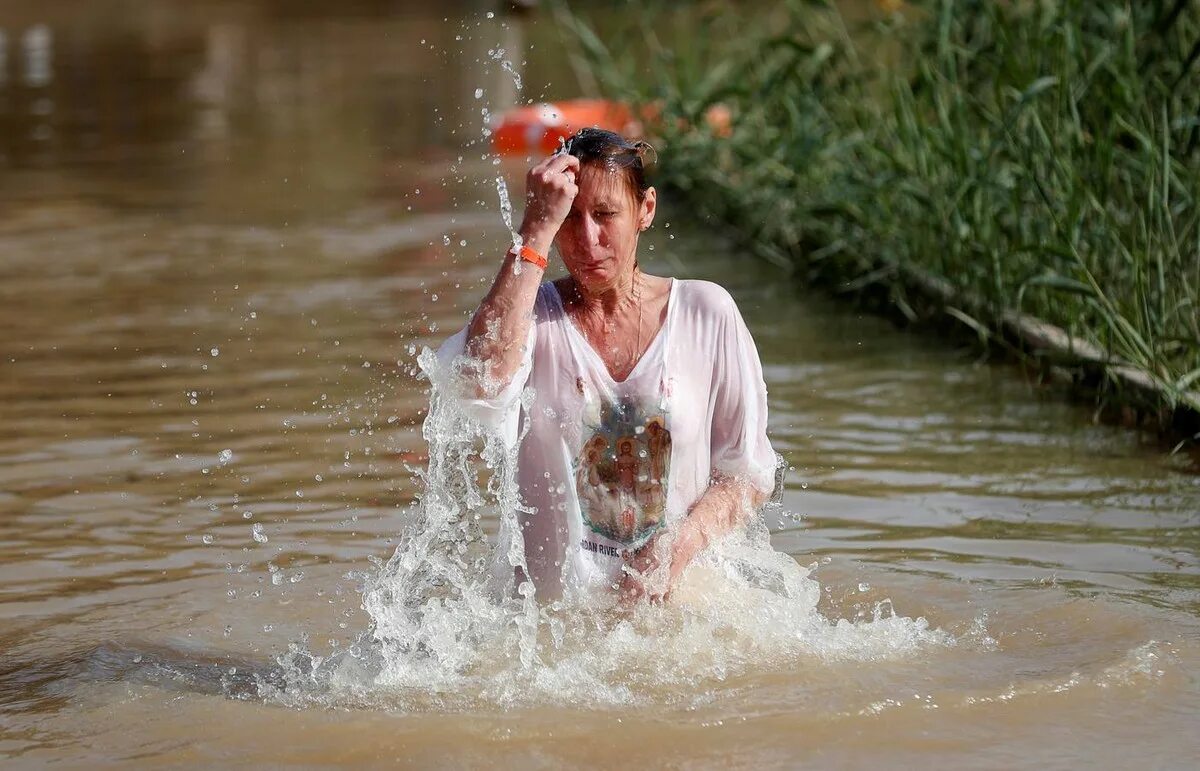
(605,464)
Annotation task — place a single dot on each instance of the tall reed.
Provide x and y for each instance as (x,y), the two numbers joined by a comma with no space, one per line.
(1034,157)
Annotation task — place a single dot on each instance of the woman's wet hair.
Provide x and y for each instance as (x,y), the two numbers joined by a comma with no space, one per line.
(595,146)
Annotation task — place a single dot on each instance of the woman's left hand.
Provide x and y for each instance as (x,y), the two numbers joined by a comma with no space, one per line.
(643,574)
(655,569)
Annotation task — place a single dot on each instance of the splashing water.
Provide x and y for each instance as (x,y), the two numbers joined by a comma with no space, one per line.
(506,212)
(508,67)
(452,629)
(497,54)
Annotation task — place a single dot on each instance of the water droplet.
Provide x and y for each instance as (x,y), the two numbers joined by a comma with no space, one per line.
(256,532)
(479,93)
(508,67)
(208,539)
(224,456)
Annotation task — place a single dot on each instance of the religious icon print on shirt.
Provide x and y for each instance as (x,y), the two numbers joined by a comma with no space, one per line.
(622,470)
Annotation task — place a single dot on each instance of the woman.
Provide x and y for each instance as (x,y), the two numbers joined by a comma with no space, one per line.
(634,375)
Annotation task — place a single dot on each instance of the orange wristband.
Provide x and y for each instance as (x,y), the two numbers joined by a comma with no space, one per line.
(529,254)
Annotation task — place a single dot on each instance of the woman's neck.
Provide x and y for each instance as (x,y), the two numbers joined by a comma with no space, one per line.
(610,299)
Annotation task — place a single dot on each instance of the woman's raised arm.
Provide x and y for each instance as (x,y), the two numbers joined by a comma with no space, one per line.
(500,327)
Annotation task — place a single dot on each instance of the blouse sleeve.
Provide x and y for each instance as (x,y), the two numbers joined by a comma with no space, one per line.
(738,438)
(497,413)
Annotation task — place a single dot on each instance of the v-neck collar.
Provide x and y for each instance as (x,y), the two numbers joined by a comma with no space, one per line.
(599,360)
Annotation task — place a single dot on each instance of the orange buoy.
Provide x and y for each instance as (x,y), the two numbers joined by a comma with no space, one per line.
(539,128)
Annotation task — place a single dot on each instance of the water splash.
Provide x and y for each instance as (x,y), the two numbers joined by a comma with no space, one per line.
(497,55)
(452,628)
(447,595)
(511,70)
(506,213)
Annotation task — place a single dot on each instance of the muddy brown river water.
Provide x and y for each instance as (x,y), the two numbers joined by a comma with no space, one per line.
(226,231)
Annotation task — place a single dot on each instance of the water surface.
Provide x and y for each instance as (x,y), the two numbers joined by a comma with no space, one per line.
(225,232)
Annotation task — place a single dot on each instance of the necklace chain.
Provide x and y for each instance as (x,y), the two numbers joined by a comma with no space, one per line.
(637,308)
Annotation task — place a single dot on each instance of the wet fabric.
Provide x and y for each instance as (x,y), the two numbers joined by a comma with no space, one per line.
(605,465)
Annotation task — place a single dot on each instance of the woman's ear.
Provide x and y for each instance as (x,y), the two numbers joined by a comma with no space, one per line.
(648,207)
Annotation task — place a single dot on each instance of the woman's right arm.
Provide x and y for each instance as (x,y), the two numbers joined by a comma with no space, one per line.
(500,327)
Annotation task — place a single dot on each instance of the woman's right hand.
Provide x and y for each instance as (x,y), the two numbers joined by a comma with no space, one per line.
(550,189)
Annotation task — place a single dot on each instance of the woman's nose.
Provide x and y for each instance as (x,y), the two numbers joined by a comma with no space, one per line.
(591,231)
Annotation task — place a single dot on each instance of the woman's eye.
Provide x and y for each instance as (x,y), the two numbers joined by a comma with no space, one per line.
(605,214)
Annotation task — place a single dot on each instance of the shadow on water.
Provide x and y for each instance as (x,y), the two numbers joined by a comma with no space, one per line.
(29,684)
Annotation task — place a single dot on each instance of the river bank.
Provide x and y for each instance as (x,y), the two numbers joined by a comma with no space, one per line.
(1026,173)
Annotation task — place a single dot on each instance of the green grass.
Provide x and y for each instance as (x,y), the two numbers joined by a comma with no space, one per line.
(1033,157)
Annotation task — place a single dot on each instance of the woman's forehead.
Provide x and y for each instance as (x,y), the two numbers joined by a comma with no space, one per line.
(599,184)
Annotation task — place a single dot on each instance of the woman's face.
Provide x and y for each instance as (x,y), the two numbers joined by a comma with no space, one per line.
(598,240)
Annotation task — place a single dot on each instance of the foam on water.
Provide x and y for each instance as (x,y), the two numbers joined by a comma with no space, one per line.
(450,629)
